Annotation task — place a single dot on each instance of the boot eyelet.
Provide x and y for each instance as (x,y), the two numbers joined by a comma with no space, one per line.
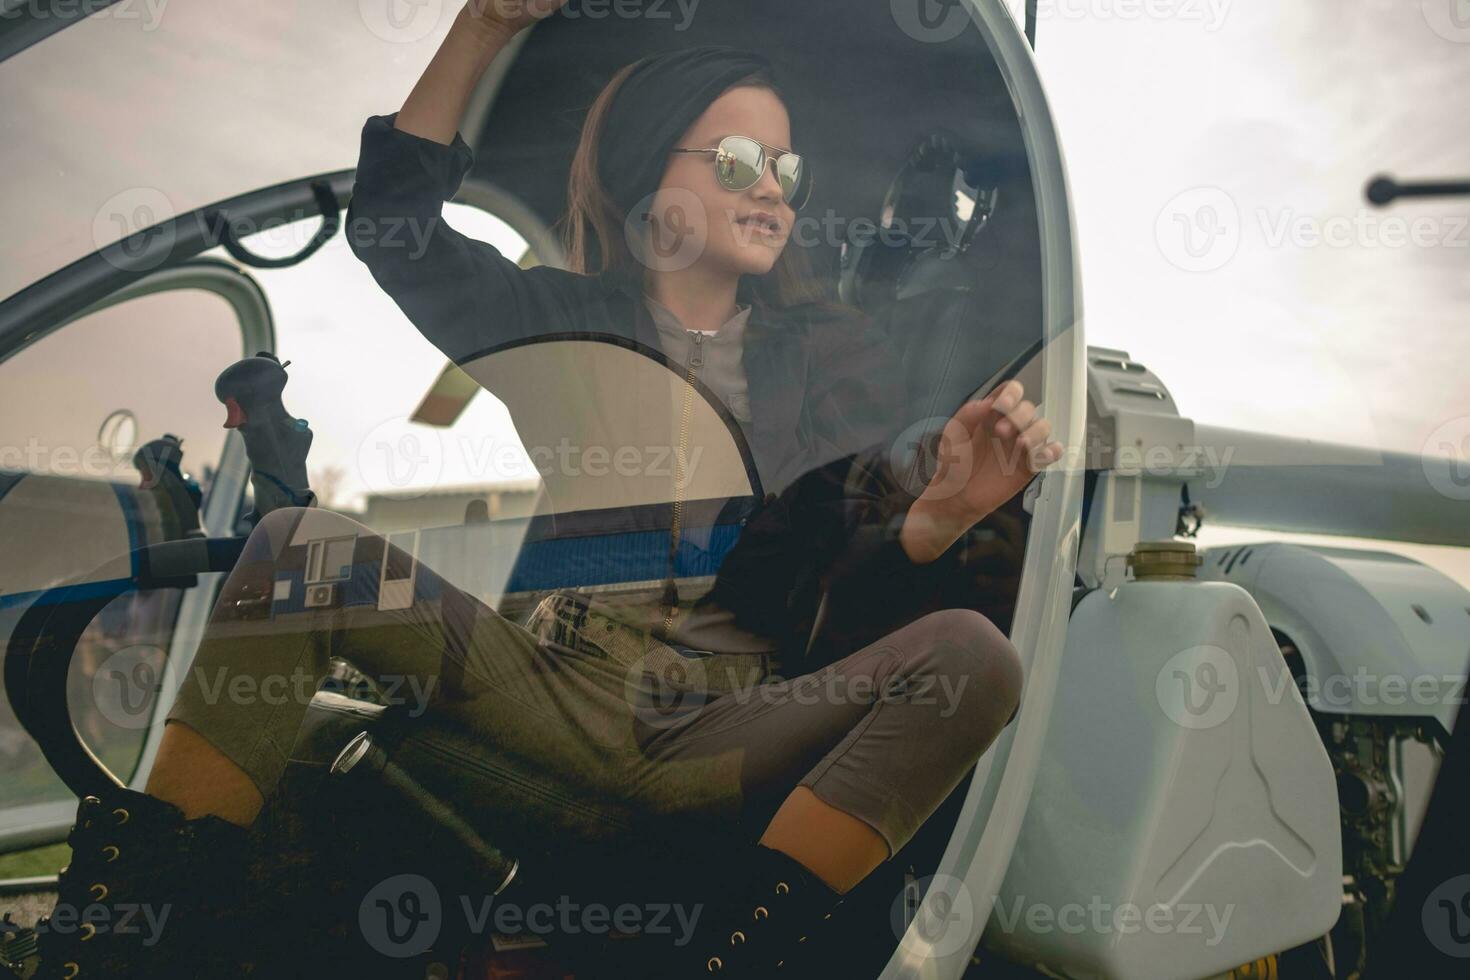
(116,853)
(737,938)
(98,890)
(88,931)
(713,965)
(122,815)
(761,913)
(782,888)
(71,970)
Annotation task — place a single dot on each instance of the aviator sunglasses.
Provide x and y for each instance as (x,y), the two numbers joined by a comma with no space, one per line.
(740,163)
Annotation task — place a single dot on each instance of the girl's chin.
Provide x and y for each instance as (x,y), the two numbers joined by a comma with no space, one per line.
(755,260)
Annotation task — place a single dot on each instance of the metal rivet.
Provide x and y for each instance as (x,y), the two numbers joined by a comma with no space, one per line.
(99,891)
(88,931)
(782,888)
(122,815)
(116,853)
(71,970)
(761,912)
(714,964)
(737,937)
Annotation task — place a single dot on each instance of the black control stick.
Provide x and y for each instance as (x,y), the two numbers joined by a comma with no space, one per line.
(277,444)
(363,758)
(160,465)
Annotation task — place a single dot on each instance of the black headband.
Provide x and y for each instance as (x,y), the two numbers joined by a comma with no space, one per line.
(658,101)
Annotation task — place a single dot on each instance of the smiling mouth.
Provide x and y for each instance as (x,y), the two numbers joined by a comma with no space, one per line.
(768,227)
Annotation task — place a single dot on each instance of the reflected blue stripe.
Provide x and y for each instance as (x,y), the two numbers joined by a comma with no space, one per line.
(132,520)
(630,557)
(67,593)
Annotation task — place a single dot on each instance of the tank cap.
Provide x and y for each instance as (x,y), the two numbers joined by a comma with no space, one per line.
(1163,561)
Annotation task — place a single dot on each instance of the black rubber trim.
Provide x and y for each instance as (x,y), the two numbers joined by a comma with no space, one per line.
(22,26)
(73,288)
(39,654)
(628,343)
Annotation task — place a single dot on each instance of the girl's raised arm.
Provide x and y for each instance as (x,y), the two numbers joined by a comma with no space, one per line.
(479,32)
(462,294)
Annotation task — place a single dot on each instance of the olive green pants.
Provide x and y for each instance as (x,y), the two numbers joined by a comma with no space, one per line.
(570,738)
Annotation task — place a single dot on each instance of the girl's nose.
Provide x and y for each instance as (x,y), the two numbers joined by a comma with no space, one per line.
(769,186)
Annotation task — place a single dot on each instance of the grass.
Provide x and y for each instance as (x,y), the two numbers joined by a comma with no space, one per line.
(37,861)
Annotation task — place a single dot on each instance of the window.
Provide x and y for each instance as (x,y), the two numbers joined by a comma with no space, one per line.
(89,410)
(330,559)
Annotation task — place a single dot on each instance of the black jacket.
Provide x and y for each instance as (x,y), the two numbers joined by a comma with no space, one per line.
(824,396)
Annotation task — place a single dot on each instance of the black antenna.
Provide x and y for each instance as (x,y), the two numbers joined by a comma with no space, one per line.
(1384,190)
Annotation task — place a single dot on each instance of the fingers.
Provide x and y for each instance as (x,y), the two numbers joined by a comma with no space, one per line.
(1036,435)
(975,414)
(1040,449)
(1042,458)
(1007,413)
(1016,420)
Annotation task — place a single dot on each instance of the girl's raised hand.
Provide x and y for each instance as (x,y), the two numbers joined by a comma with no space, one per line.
(509,16)
(987,453)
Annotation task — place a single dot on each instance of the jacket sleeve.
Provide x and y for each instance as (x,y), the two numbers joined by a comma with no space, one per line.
(462,294)
(834,531)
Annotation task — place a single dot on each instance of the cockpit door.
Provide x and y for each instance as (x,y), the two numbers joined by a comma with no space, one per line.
(112,439)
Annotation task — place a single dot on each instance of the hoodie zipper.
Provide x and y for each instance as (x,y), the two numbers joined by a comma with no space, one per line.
(671,590)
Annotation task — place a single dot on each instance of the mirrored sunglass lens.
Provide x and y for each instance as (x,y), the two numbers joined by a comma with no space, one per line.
(792,172)
(739,162)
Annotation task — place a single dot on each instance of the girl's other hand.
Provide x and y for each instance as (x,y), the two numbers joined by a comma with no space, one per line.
(987,453)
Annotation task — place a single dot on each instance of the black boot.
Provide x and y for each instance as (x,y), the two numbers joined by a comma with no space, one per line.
(147,894)
(766,908)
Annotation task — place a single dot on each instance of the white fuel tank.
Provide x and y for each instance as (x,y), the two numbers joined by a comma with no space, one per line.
(1185,816)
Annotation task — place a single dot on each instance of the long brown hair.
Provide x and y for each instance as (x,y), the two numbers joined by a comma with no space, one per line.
(592,230)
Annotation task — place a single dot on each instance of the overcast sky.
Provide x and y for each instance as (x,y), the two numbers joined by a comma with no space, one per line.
(1216,152)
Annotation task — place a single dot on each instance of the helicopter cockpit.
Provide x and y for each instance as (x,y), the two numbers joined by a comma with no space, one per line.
(564,462)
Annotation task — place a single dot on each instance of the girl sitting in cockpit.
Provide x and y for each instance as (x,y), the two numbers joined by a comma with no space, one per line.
(827,772)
